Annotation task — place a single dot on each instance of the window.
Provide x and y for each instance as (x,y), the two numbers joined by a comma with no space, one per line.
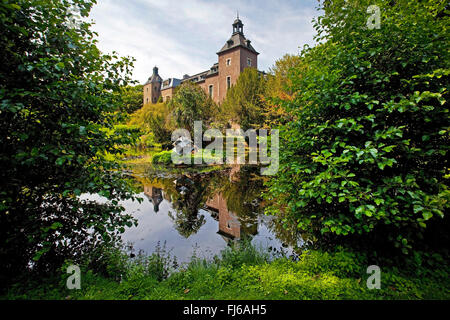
(147,98)
(249,62)
(167,98)
(211,87)
(154,100)
(228,62)
(228,82)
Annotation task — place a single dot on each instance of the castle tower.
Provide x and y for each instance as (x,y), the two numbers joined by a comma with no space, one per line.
(152,88)
(236,55)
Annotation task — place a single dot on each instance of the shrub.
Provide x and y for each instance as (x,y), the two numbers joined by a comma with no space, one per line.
(364,157)
(163,157)
(58,103)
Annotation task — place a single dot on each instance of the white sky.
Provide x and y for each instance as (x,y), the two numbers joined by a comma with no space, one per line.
(183,36)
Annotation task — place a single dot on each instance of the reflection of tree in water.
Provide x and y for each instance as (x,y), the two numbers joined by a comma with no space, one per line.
(187,200)
(240,189)
(286,232)
(190,194)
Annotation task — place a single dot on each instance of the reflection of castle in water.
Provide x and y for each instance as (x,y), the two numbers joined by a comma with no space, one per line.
(230,197)
(155,196)
(230,228)
(188,194)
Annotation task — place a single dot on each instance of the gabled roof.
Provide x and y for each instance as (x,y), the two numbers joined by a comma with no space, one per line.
(237,40)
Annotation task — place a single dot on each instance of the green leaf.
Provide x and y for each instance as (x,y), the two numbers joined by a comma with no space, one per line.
(427,215)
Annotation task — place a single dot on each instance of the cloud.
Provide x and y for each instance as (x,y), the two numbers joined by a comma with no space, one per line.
(182,37)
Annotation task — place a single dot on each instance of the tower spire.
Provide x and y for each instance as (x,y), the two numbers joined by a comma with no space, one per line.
(238,26)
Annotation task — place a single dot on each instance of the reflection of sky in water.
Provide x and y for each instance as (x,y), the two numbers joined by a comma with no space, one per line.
(154,227)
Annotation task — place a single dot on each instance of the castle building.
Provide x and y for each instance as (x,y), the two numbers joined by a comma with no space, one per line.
(236,55)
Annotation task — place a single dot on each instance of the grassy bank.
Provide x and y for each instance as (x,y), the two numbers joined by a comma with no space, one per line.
(248,273)
(165,158)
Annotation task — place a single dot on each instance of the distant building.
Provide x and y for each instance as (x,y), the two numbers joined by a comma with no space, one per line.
(236,55)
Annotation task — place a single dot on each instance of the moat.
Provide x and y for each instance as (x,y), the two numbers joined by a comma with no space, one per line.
(192,212)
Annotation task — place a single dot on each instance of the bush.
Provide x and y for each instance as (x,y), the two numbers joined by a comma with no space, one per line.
(247,273)
(365,159)
(58,102)
(163,157)
(154,120)
(243,253)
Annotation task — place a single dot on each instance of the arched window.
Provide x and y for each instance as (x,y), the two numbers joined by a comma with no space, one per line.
(211,90)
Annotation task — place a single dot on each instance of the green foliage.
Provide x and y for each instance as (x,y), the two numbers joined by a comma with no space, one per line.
(244,103)
(364,154)
(163,157)
(243,253)
(190,103)
(131,97)
(279,88)
(244,273)
(154,119)
(58,95)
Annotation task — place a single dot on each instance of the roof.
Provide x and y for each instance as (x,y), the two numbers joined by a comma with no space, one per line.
(170,83)
(153,79)
(197,77)
(214,70)
(237,40)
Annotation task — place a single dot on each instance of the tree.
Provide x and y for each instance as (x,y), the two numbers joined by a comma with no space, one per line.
(188,198)
(364,157)
(154,119)
(279,88)
(58,95)
(190,103)
(244,103)
(131,98)
(279,84)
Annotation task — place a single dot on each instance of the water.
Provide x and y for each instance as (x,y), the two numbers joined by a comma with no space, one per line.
(202,213)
